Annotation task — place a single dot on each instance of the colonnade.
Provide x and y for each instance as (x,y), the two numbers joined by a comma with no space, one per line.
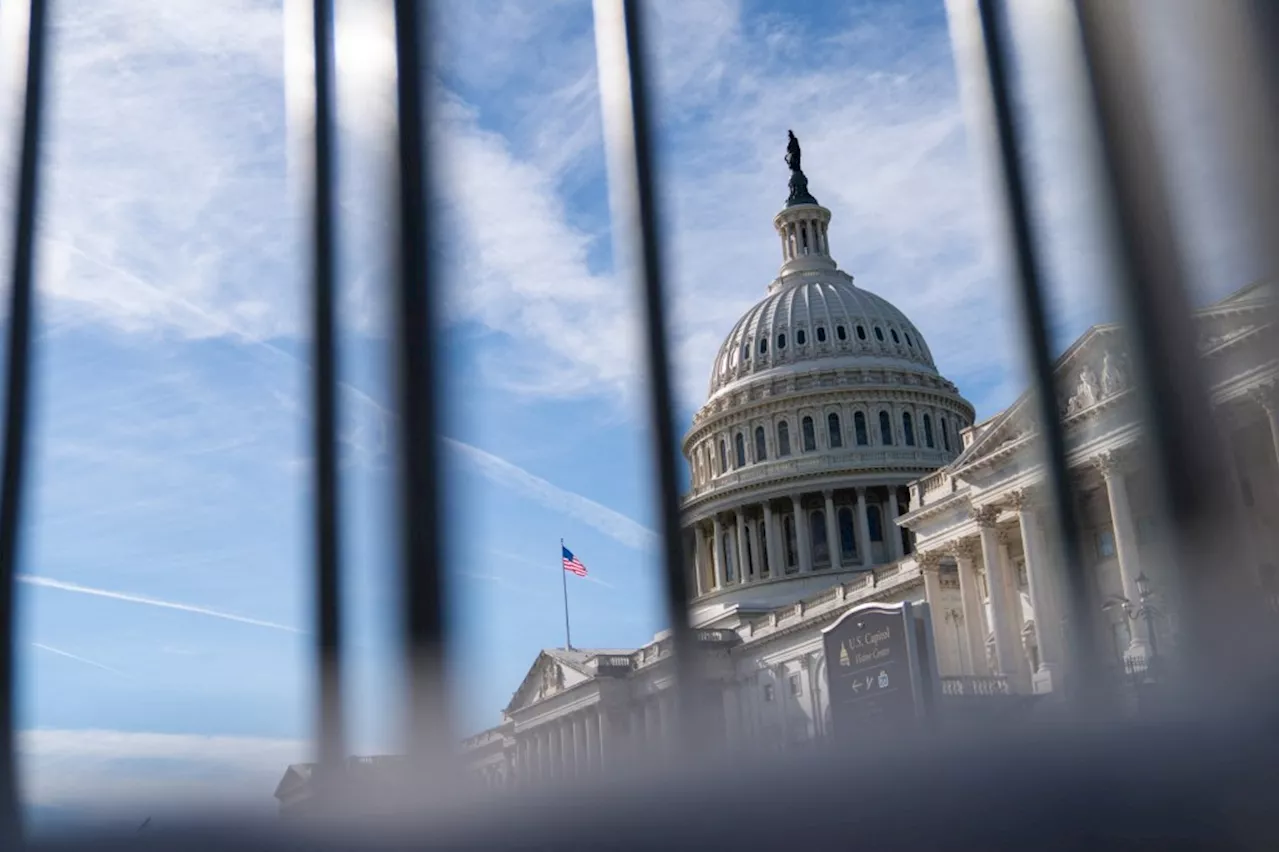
(797,534)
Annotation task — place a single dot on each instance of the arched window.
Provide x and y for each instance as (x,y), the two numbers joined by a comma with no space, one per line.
(840,333)
(764,345)
(946,439)
(848,540)
(746,352)
(818,537)
(886,429)
(873,523)
(810,441)
(800,337)
(822,334)
(784,439)
(724,462)
(740,449)
(860,428)
(894,334)
(862,333)
(908,434)
(789,535)
(910,342)
(879,334)
(782,341)
(833,430)
(928,431)
(761,453)
(748,562)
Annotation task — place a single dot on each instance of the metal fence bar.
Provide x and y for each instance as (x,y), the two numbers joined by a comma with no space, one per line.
(1153,290)
(418,404)
(644,240)
(17,408)
(1085,672)
(324,375)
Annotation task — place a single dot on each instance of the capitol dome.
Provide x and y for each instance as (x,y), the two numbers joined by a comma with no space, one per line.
(824,402)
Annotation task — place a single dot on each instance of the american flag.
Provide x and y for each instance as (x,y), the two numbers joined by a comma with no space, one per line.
(571,563)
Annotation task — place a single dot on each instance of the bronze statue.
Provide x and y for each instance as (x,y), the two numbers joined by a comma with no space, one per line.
(793,152)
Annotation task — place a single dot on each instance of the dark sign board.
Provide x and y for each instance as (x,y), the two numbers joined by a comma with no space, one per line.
(875,678)
(618,665)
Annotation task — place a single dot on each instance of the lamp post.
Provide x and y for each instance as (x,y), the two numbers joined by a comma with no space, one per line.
(1147,611)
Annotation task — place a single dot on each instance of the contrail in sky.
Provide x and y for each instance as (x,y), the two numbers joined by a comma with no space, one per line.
(78,658)
(47,583)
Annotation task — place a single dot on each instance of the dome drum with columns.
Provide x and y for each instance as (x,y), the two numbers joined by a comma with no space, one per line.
(824,402)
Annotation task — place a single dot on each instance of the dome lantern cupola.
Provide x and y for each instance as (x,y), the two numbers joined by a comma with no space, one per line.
(802,223)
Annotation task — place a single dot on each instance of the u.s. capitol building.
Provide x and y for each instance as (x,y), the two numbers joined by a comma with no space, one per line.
(834,465)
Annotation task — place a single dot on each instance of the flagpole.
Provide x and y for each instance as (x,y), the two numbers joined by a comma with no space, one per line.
(564,584)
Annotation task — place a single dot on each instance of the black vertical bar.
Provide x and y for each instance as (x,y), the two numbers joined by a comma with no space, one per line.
(1083,659)
(662,406)
(324,399)
(421,529)
(17,409)
(1230,623)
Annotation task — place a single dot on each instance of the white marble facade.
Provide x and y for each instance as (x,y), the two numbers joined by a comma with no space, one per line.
(931,507)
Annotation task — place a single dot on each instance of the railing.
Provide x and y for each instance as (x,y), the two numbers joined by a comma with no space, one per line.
(834,460)
(975,685)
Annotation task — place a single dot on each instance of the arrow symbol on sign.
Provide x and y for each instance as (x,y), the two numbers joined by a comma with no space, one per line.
(856,686)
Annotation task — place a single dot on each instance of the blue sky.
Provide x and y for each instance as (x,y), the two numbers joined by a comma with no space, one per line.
(163,605)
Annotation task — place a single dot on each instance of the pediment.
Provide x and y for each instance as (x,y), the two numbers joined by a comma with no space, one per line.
(552,672)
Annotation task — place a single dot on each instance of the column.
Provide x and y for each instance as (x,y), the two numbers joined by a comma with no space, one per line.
(1265,397)
(717,551)
(891,529)
(771,542)
(1112,468)
(833,529)
(864,529)
(1039,582)
(930,564)
(577,756)
(741,562)
(700,558)
(1001,620)
(971,606)
(602,728)
(1012,599)
(802,535)
(590,728)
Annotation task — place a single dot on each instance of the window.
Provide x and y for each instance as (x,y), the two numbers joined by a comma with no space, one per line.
(862,333)
(848,539)
(886,429)
(894,334)
(833,430)
(726,543)
(818,537)
(946,440)
(746,352)
(907,335)
(873,523)
(822,334)
(764,345)
(797,688)
(908,434)
(1106,544)
(784,439)
(840,333)
(800,337)
(789,536)
(740,449)
(761,452)
(724,463)
(782,341)
(860,428)
(928,431)
(810,442)
(747,561)
(879,334)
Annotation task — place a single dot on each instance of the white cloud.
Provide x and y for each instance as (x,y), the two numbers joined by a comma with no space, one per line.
(106,770)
